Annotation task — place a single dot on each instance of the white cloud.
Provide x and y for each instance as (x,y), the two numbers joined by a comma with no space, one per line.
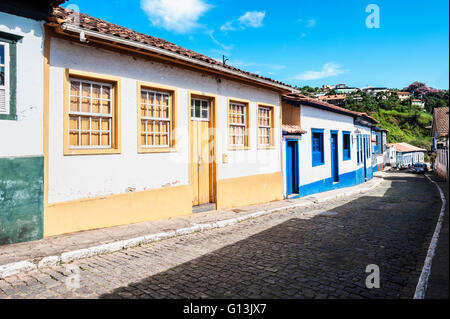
(311,23)
(328,70)
(252,19)
(242,64)
(228,26)
(175,15)
(223,46)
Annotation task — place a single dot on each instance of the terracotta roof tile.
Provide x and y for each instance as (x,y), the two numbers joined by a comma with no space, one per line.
(61,15)
(405,147)
(333,97)
(292,129)
(440,120)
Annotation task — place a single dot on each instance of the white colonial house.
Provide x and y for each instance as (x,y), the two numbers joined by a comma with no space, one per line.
(121,127)
(379,137)
(407,155)
(390,155)
(325,146)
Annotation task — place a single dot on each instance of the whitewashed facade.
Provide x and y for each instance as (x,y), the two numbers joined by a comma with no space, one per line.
(99,175)
(321,166)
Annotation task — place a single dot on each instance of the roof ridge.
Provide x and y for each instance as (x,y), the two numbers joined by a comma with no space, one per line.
(60,14)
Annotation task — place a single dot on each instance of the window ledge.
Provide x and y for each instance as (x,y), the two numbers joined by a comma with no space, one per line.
(318,164)
(74,152)
(157,150)
(266,147)
(239,148)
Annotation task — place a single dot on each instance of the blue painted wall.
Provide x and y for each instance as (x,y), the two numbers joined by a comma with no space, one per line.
(345,180)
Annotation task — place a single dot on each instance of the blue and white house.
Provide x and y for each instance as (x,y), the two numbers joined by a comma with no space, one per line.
(379,148)
(331,149)
(407,154)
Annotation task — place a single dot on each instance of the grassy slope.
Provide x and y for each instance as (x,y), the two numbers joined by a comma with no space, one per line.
(409,127)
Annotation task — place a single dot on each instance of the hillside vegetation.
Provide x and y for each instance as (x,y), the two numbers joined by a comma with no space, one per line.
(405,122)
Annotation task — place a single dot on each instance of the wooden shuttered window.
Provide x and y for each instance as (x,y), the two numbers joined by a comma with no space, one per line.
(91,114)
(265,126)
(156,118)
(238,124)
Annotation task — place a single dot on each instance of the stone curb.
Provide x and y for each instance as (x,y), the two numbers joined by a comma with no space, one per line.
(26,265)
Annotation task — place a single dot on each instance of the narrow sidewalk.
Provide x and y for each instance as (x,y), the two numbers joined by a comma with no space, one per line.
(438,280)
(16,258)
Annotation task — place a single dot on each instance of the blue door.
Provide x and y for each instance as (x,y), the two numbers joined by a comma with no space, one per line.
(334,158)
(292,176)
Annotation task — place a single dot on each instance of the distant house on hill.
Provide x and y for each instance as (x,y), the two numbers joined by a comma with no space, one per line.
(327,87)
(404,95)
(418,103)
(407,154)
(373,91)
(338,99)
(346,90)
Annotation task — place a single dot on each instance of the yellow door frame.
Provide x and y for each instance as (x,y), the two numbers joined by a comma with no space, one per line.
(212,98)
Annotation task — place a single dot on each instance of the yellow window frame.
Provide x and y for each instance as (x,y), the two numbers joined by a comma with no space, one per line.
(247,124)
(173,117)
(272,124)
(116,113)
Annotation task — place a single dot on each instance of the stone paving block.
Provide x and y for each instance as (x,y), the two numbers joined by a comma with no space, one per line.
(291,254)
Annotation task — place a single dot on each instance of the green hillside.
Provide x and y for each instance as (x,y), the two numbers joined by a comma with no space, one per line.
(405,122)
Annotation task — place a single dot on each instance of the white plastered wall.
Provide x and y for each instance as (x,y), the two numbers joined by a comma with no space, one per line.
(364,130)
(314,118)
(24,136)
(77,177)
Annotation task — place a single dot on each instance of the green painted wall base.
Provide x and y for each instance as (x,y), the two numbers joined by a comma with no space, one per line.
(21,199)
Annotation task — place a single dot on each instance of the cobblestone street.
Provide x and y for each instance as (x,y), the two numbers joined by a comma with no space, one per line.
(295,253)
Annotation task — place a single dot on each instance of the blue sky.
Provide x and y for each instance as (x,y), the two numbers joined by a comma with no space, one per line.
(301,42)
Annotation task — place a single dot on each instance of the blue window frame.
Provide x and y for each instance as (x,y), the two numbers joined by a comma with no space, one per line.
(346,152)
(361,148)
(368,146)
(317,148)
(357,149)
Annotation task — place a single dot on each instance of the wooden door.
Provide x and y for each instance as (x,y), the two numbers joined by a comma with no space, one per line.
(200,151)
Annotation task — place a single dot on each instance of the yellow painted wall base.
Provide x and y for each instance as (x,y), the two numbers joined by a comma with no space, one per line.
(249,190)
(115,210)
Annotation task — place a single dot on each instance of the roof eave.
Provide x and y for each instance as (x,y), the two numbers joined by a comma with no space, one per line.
(107,39)
(319,106)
